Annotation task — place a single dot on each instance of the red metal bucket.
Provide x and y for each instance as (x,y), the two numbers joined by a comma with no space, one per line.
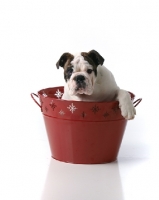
(82,132)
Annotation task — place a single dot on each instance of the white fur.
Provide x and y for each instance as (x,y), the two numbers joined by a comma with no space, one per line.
(100,88)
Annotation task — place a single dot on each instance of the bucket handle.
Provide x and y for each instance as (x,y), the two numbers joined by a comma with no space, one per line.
(32,96)
(135,103)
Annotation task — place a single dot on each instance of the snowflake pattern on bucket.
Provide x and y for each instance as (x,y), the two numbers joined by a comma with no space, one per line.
(95,109)
(72,108)
(106,114)
(53,105)
(44,95)
(61,112)
(58,94)
(83,114)
(46,109)
(115,109)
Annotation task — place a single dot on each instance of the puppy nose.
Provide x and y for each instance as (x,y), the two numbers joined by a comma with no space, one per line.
(79,78)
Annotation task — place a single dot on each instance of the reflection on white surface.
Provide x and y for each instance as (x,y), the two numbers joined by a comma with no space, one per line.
(140,178)
(134,176)
(74,181)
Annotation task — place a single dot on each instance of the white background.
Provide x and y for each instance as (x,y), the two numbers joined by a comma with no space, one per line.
(33,35)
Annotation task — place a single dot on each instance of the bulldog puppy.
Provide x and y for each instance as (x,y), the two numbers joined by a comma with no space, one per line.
(88,80)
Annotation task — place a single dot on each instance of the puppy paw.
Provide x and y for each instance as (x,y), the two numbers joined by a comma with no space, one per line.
(128,111)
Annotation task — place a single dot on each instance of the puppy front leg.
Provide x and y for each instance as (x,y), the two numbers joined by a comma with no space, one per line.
(127,109)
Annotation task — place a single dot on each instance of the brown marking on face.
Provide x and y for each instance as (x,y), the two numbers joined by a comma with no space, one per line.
(90,61)
(93,56)
(68,69)
(65,62)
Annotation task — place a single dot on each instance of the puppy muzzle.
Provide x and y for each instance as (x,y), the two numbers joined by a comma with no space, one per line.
(80,84)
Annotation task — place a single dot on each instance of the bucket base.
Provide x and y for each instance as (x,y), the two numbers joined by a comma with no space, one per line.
(82,142)
(85,163)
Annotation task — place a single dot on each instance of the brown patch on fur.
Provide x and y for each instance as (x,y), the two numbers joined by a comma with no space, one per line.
(87,58)
(90,61)
(67,64)
(95,57)
(64,60)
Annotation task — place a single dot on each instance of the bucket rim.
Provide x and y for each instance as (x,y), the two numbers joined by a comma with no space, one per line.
(41,92)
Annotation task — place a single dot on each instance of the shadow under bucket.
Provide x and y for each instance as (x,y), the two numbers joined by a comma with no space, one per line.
(82,132)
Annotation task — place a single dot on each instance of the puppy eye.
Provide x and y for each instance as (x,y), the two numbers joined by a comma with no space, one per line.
(70,70)
(89,71)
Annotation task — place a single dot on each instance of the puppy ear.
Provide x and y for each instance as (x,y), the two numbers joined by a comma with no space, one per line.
(96,57)
(63,59)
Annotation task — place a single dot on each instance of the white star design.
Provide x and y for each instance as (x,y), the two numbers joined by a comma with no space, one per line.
(58,94)
(45,95)
(61,112)
(72,108)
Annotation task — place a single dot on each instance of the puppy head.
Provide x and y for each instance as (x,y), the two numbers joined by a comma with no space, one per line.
(80,71)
